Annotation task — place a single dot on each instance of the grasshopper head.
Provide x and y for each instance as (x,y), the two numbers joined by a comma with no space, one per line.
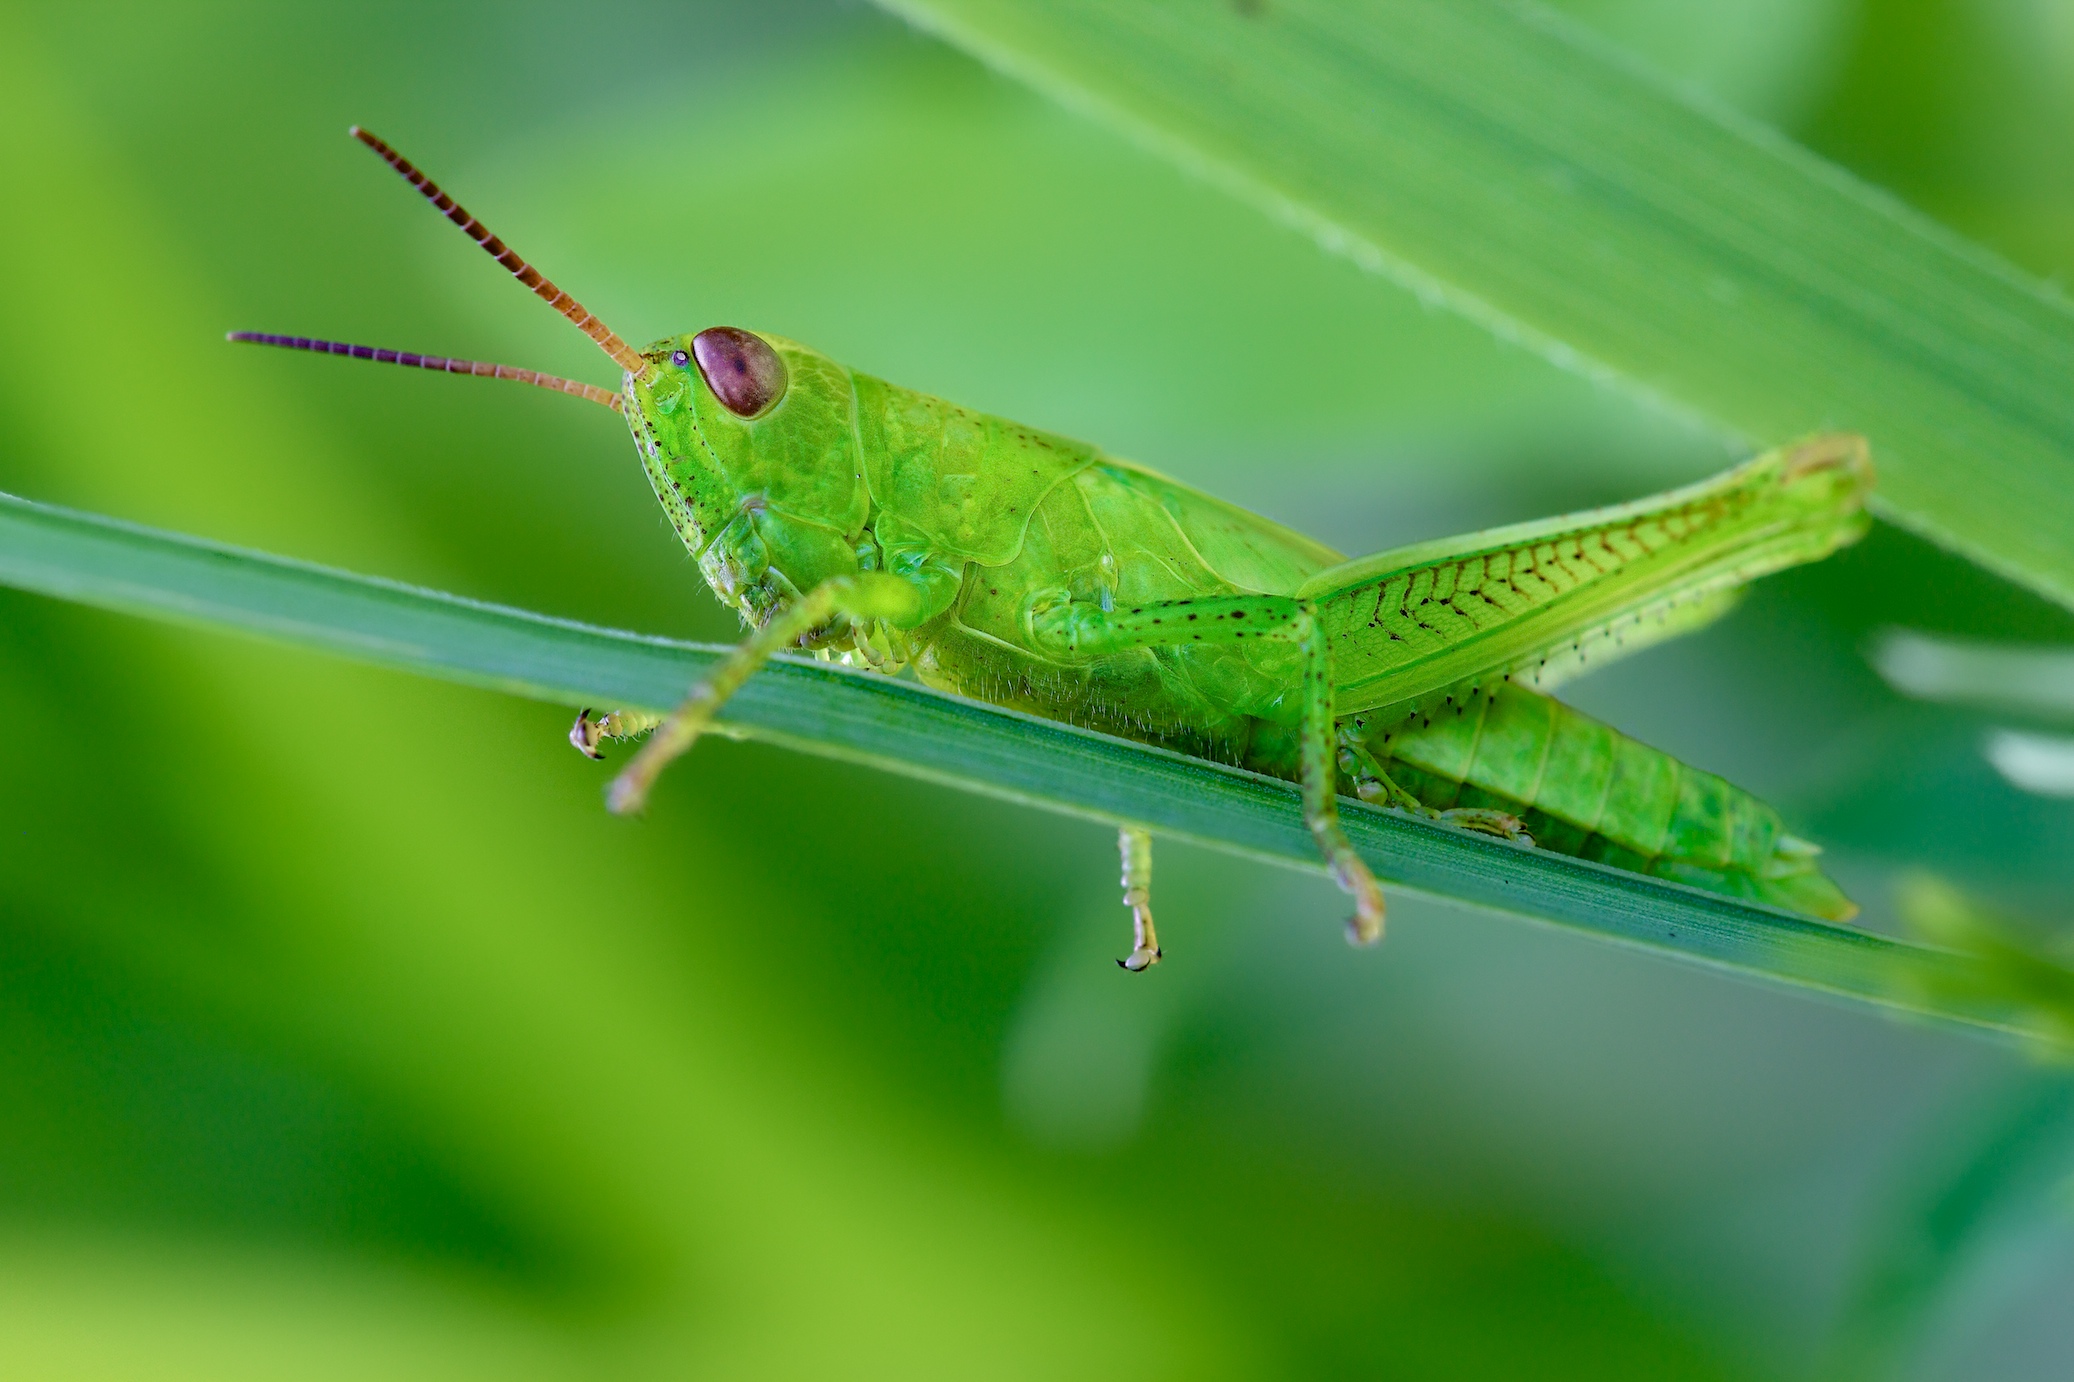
(748,442)
(747,439)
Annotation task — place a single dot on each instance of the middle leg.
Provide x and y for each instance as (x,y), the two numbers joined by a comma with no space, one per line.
(1136,848)
(1086,628)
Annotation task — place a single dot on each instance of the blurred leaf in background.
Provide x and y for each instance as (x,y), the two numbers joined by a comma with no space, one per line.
(341,1031)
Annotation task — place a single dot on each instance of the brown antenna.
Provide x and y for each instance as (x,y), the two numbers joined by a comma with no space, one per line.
(481,369)
(628,358)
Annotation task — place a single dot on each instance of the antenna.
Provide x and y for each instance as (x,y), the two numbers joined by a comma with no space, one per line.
(628,358)
(481,369)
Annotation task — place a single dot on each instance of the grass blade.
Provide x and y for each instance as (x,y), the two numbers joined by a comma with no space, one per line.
(908,729)
(1980,1173)
(2019,679)
(1496,160)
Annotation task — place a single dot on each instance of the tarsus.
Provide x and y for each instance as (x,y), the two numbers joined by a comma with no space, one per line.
(628,358)
(480,368)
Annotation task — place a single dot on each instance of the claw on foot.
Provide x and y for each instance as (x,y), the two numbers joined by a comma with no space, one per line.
(1140,960)
(591,731)
(585,734)
(1365,927)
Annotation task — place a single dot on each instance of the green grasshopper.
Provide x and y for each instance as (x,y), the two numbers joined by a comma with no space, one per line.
(887,529)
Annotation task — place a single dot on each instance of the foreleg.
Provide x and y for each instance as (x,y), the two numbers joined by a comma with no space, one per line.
(587,733)
(867,595)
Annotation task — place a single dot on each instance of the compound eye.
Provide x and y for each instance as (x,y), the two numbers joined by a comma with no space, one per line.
(744,373)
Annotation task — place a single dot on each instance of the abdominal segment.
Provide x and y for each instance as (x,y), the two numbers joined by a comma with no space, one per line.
(1584,789)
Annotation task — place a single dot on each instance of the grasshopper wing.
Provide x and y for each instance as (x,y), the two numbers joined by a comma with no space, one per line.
(1536,601)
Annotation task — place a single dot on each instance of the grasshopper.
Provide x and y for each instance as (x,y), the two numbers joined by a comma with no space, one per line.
(886,529)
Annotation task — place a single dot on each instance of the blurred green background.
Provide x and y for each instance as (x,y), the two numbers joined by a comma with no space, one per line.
(343,1034)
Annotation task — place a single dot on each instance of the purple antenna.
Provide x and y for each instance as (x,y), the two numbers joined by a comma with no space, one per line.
(608,341)
(482,369)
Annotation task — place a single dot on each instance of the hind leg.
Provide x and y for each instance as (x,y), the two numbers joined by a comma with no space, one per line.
(1320,793)
(1374,785)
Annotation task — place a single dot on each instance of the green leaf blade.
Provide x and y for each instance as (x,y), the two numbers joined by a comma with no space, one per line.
(1493,159)
(901,727)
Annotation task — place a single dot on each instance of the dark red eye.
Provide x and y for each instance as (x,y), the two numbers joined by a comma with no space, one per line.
(745,374)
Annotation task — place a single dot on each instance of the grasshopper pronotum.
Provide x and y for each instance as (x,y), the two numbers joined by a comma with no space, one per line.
(888,529)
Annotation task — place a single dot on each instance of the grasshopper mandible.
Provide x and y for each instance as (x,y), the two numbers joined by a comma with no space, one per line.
(888,529)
